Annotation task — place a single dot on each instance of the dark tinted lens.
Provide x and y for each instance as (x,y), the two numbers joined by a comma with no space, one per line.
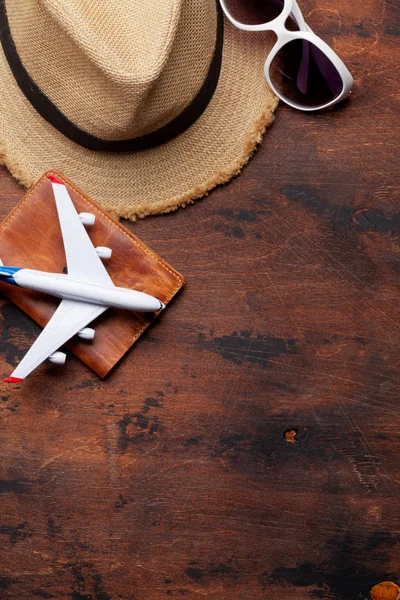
(304,75)
(254,12)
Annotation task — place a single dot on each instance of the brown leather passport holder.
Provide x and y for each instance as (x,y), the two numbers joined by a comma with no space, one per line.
(30,237)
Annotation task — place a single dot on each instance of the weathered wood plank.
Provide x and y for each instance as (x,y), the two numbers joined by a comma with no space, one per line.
(173,477)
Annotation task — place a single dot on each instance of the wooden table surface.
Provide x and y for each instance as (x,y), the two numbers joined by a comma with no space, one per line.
(248,446)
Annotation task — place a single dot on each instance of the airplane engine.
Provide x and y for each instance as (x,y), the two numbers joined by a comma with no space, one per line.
(58,358)
(87,218)
(86,334)
(103,252)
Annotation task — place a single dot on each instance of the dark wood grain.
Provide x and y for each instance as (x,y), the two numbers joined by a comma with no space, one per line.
(175,476)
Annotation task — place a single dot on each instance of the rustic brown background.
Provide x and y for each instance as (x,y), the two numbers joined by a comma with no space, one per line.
(174,477)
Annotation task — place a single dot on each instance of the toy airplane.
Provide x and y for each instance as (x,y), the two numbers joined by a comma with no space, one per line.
(87,291)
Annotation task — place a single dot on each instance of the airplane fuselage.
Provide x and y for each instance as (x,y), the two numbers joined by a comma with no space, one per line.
(64,286)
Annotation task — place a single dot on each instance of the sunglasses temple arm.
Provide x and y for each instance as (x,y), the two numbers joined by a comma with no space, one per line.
(305,59)
(302,75)
(298,15)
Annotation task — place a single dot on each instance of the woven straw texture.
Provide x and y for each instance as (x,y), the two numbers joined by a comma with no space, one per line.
(134,65)
(101,95)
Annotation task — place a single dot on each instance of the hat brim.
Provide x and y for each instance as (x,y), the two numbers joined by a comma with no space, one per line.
(130,185)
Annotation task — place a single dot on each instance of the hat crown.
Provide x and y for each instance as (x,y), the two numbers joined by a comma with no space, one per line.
(128,40)
(116,70)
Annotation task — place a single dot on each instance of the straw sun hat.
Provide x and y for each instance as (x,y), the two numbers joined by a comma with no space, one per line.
(144,104)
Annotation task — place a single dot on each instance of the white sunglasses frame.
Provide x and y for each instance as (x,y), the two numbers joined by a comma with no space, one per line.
(284,36)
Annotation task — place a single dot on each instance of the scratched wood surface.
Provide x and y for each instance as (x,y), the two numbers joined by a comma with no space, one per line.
(248,447)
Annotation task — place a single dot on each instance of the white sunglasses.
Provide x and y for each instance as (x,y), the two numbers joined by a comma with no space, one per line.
(301,69)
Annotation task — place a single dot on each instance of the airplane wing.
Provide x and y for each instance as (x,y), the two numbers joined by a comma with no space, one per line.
(69,318)
(82,259)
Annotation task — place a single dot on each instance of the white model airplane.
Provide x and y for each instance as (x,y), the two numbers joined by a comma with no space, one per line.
(86,292)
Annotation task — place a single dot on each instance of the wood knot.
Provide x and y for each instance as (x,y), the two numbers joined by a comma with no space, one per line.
(290,436)
(386,590)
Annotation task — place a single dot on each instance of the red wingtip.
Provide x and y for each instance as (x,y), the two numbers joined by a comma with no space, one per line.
(13,379)
(54,179)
